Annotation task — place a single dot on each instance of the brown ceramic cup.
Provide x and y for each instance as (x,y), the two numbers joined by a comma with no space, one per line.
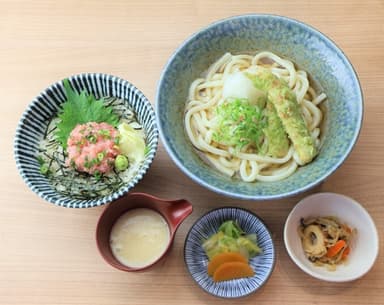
(173,211)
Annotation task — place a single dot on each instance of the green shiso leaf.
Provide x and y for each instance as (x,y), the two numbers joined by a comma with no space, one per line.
(80,109)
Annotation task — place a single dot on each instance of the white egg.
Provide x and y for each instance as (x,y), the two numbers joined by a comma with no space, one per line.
(238,85)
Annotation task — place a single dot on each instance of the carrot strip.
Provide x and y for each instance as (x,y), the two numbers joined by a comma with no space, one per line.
(346,252)
(336,248)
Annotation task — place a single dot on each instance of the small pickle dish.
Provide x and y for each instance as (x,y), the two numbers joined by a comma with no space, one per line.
(229,252)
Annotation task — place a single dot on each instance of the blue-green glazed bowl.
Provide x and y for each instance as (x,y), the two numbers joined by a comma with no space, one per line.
(311,50)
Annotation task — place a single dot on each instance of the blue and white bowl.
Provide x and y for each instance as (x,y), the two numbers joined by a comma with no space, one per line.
(311,50)
(197,261)
(35,119)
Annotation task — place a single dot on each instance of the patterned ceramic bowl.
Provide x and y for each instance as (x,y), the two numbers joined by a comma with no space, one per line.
(45,106)
(310,50)
(197,261)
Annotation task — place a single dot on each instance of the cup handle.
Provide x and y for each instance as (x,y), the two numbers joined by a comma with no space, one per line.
(178,210)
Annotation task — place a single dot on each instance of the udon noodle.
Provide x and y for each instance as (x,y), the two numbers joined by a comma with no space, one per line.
(247,162)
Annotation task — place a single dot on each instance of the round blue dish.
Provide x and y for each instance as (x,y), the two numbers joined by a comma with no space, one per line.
(197,261)
(36,117)
(304,45)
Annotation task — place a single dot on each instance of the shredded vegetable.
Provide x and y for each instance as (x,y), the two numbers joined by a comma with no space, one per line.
(240,123)
(326,240)
(231,238)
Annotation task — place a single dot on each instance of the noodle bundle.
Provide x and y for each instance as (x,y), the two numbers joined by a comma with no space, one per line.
(234,116)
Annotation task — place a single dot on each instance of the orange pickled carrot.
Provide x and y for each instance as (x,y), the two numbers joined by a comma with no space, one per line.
(232,270)
(224,257)
(336,248)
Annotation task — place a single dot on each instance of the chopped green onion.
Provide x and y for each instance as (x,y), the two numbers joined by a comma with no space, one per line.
(240,123)
(121,162)
(91,138)
(105,133)
(44,169)
(100,156)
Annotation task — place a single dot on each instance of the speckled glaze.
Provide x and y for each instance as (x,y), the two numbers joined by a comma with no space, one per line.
(310,50)
(46,105)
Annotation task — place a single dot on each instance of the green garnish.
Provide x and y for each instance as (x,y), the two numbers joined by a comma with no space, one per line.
(105,133)
(44,169)
(91,138)
(87,163)
(80,109)
(100,156)
(240,124)
(121,162)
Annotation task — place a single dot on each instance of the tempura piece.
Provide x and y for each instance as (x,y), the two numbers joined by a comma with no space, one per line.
(288,110)
(278,143)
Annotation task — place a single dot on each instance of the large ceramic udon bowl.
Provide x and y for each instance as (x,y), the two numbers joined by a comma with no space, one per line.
(310,50)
